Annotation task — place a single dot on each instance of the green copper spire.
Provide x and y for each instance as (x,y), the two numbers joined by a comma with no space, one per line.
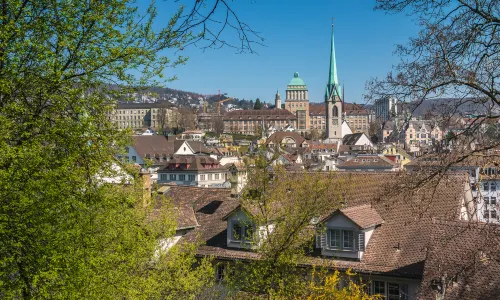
(332,86)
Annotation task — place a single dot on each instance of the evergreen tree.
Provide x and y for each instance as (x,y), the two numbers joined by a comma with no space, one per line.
(258,104)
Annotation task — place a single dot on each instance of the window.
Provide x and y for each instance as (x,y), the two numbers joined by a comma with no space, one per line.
(216,176)
(202,177)
(182,177)
(335,111)
(493,186)
(493,200)
(134,158)
(335,238)
(209,176)
(485,186)
(191,177)
(379,288)
(163,177)
(219,272)
(493,214)
(473,186)
(242,232)
(347,239)
(172,176)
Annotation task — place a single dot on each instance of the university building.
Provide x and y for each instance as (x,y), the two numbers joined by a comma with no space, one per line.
(142,115)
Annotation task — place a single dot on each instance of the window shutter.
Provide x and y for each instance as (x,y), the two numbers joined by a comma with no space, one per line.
(361,242)
(318,239)
(323,239)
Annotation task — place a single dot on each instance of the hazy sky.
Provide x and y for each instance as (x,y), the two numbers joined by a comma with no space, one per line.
(297,39)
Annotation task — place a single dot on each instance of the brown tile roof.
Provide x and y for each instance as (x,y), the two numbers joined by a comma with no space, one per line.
(467,252)
(278,136)
(192,203)
(192,163)
(355,109)
(316,146)
(154,146)
(368,161)
(397,247)
(262,114)
(365,216)
(317,109)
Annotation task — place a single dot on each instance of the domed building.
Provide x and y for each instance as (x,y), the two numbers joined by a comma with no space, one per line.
(297,102)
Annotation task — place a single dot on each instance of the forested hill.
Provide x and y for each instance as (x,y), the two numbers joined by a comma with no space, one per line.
(181,98)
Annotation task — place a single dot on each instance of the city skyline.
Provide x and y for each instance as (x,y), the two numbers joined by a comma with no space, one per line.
(294,45)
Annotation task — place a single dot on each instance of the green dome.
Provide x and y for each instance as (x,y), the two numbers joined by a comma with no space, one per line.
(296,80)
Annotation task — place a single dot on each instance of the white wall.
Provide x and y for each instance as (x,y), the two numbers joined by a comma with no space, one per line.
(184,150)
(364,140)
(133,152)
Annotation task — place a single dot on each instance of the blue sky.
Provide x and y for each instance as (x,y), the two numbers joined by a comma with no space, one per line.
(297,39)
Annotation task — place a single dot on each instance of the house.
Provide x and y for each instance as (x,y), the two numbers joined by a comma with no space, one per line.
(287,139)
(401,156)
(383,236)
(193,170)
(194,135)
(484,177)
(237,175)
(369,163)
(357,139)
(463,261)
(152,150)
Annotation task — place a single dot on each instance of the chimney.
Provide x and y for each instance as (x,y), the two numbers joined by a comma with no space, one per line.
(145,178)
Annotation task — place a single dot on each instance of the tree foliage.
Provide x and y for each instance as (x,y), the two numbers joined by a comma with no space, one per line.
(65,233)
(258,104)
(454,56)
(284,205)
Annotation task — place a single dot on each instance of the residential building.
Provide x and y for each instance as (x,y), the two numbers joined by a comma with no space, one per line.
(297,102)
(193,170)
(422,133)
(287,139)
(251,122)
(143,115)
(154,151)
(237,176)
(195,135)
(317,116)
(358,117)
(386,109)
(358,139)
(484,178)
(389,246)
(369,163)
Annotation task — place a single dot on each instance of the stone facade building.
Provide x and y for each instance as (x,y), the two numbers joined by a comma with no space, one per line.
(142,115)
(252,121)
(297,102)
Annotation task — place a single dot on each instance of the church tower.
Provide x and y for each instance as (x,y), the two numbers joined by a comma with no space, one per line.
(277,100)
(333,102)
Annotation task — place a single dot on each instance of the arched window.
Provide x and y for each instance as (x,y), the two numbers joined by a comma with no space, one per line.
(335,111)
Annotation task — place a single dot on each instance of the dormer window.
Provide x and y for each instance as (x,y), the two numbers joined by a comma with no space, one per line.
(242,232)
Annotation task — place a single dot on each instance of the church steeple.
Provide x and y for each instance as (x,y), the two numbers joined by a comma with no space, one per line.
(333,101)
(333,86)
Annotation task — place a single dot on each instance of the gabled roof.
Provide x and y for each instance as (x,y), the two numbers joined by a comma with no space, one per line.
(368,161)
(365,216)
(153,145)
(195,146)
(192,163)
(352,139)
(278,136)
